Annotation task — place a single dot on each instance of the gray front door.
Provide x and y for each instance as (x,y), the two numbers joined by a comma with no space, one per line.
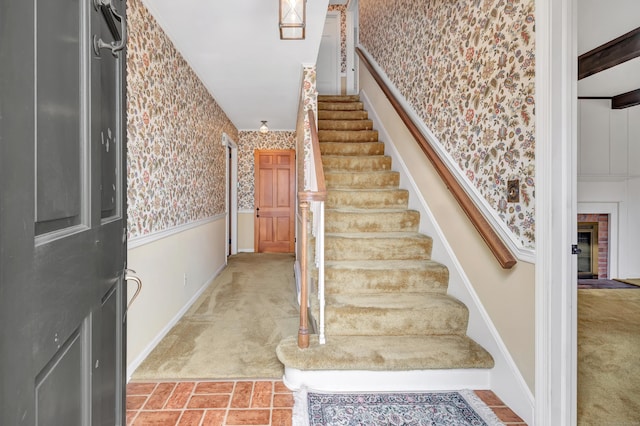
(62,212)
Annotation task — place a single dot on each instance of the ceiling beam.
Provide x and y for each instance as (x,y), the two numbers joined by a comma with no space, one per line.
(610,54)
(626,100)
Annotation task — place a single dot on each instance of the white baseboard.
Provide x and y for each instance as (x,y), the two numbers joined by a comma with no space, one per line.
(246,250)
(133,365)
(386,381)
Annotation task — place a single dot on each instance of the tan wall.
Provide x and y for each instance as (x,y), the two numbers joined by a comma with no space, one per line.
(507,296)
(245,231)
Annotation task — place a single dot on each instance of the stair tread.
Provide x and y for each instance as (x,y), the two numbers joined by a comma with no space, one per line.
(351,173)
(338,98)
(362,190)
(385,353)
(340,106)
(378,235)
(353,210)
(383,264)
(406,302)
(354,157)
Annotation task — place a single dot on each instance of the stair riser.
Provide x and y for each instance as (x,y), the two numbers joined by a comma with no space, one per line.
(371,222)
(348,135)
(342,115)
(338,98)
(357,321)
(337,248)
(341,281)
(340,106)
(356,163)
(347,148)
(366,180)
(367,199)
(345,125)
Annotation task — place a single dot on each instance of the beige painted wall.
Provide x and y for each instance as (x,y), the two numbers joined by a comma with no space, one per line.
(245,231)
(507,295)
(198,253)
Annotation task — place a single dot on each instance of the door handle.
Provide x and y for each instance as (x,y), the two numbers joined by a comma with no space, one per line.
(128,276)
(258,211)
(115,46)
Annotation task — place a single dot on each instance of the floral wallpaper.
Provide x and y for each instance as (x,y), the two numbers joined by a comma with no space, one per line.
(308,102)
(248,142)
(342,8)
(467,69)
(175,159)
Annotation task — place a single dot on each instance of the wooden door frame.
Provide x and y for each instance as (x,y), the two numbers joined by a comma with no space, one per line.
(231,199)
(292,193)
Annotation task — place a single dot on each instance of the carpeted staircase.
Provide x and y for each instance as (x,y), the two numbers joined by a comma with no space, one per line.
(387,306)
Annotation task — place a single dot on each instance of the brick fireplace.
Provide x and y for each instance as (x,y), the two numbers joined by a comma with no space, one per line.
(599,222)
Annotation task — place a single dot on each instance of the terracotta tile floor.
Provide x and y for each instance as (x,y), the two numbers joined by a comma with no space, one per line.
(221,403)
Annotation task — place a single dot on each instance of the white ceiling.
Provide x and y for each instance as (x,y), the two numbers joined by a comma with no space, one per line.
(235,49)
(600,22)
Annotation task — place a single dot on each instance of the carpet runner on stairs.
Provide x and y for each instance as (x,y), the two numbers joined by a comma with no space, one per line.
(387,306)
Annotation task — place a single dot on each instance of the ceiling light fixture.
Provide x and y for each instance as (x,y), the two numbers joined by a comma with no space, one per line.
(264,128)
(292,19)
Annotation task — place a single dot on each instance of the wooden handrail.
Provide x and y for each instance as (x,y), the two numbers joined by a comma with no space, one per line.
(486,231)
(306,197)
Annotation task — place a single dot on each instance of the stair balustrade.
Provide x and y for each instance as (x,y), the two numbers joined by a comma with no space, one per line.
(312,200)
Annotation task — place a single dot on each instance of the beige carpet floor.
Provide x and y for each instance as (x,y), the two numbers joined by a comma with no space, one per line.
(609,357)
(232,330)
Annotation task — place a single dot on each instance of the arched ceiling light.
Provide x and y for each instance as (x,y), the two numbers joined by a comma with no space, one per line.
(264,128)
(292,19)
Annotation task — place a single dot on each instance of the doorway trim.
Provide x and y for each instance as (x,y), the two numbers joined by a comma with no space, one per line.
(231,192)
(352,42)
(335,15)
(556,212)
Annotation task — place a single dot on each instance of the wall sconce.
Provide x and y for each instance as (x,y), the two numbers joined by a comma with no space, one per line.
(264,128)
(292,19)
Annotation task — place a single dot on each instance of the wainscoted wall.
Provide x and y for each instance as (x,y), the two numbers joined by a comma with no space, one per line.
(174,272)
(248,142)
(176,178)
(507,296)
(467,69)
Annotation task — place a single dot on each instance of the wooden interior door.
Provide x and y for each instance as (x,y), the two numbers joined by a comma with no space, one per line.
(275,201)
(62,212)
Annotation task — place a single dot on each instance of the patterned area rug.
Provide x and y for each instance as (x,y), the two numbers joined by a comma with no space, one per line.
(452,408)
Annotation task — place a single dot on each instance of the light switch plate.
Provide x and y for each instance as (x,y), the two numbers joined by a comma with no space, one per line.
(513,191)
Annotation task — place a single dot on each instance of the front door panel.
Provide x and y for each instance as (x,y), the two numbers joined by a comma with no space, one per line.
(62,222)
